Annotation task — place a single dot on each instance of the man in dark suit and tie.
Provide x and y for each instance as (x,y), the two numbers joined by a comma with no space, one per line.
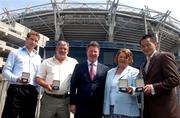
(87,85)
(161,77)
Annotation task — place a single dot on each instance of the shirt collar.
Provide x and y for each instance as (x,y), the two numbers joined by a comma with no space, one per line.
(54,59)
(151,55)
(32,53)
(95,63)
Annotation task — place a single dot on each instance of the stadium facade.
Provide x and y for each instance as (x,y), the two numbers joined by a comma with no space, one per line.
(112,24)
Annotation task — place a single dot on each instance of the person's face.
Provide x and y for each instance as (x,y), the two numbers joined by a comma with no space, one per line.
(123,60)
(31,42)
(62,51)
(92,53)
(147,46)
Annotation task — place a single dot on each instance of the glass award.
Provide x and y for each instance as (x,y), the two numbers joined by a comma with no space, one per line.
(55,85)
(25,77)
(139,85)
(123,85)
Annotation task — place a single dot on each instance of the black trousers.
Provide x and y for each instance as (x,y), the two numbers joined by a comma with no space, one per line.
(20,102)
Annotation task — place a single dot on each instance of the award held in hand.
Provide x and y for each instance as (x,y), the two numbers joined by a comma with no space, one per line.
(123,85)
(139,85)
(55,85)
(25,77)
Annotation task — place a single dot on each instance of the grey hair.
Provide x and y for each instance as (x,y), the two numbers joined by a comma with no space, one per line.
(61,42)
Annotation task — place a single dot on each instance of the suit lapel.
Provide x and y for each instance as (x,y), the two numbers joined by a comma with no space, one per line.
(142,68)
(152,62)
(86,70)
(97,71)
(124,73)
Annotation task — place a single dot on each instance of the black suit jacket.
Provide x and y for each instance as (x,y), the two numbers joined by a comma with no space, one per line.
(163,75)
(88,94)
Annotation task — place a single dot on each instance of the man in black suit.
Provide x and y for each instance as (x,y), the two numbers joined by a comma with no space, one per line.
(87,90)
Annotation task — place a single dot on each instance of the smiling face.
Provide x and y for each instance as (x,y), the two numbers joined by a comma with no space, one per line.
(148,46)
(92,53)
(31,42)
(62,51)
(124,57)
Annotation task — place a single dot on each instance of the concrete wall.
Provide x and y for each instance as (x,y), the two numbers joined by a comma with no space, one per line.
(3,89)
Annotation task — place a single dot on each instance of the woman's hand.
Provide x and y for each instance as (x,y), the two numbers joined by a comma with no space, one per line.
(130,90)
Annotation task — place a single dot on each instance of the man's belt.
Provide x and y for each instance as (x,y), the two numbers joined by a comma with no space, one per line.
(58,96)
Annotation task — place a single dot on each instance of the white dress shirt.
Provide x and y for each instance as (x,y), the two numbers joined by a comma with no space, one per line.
(51,70)
(94,64)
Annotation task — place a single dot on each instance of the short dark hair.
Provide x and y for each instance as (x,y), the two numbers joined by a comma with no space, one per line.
(33,33)
(94,44)
(151,37)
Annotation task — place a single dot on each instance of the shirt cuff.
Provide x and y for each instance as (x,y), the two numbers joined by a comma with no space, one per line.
(153,91)
(14,78)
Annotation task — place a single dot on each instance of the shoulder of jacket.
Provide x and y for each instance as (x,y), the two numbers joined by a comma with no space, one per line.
(103,65)
(81,64)
(166,54)
(133,69)
(112,69)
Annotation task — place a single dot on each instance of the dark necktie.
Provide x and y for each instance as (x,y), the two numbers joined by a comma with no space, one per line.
(92,71)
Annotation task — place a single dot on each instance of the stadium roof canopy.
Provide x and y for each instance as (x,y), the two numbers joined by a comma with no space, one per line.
(111,22)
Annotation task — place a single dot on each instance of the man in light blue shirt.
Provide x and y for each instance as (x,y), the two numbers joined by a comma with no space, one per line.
(20,70)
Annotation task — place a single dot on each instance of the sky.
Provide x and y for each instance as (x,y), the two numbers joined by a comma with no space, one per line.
(158,5)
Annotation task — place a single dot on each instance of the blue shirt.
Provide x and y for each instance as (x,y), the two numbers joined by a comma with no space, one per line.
(19,61)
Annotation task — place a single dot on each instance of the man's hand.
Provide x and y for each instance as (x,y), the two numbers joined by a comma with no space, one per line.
(148,89)
(49,87)
(21,81)
(73,108)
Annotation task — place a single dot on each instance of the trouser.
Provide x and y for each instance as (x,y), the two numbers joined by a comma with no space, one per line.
(112,115)
(20,102)
(54,107)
